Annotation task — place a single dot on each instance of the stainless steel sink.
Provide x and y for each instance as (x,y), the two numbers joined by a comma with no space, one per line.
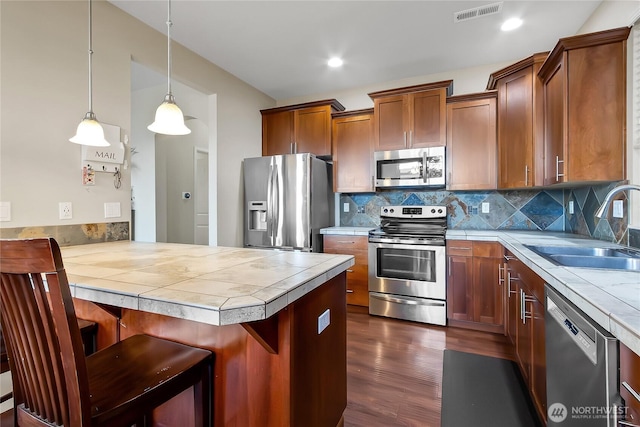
(615,263)
(580,256)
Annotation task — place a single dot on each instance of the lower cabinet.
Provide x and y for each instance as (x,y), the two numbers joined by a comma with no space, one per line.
(475,289)
(525,327)
(630,385)
(358,275)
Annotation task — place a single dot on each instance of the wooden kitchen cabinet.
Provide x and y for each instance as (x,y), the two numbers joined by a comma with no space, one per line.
(411,117)
(358,275)
(475,293)
(584,93)
(471,142)
(520,123)
(526,292)
(352,134)
(630,383)
(301,128)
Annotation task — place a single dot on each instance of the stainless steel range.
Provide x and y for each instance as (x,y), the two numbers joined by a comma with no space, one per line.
(407,264)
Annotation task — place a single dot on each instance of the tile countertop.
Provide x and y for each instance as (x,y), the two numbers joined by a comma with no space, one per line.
(610,297)
(350,231)
(209,284)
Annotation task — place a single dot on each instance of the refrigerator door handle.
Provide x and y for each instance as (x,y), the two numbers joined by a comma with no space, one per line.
(270,201)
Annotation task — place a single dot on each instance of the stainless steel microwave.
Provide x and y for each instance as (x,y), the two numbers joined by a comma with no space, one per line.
(413,167)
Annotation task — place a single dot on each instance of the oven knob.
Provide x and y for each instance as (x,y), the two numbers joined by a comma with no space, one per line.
(439,210)
(385,210)
(433,211)
(391,210)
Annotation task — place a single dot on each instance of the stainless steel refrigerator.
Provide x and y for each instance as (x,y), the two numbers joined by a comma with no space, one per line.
(288,199)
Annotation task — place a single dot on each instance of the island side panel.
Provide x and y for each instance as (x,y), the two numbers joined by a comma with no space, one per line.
(319,361)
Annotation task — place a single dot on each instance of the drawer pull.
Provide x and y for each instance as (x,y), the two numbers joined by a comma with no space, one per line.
(349,271)
(459,248)
(509,258)
(349,291)
(631,390)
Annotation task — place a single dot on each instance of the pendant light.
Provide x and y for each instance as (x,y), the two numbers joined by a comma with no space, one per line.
(89,130)
(169,118)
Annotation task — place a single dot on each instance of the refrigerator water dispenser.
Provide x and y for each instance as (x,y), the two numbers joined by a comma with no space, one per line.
(258,216)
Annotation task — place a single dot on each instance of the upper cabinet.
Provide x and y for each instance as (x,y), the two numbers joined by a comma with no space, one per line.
(353,151)
(520,123)
(302,128)
(471,142)
(584,92)
(411,117)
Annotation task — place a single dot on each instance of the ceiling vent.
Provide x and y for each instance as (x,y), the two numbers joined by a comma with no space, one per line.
(477,12)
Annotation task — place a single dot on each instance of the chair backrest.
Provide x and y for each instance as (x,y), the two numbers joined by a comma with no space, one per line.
(41,333)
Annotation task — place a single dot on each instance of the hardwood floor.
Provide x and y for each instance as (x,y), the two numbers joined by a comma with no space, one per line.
(394,368)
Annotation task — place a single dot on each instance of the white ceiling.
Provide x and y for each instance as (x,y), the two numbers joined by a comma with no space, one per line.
(281,47)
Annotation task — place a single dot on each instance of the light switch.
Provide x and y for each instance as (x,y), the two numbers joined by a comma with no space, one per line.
(571,207)
(323,321)
(345,207)
(5,211)
(618,209)
(485,207)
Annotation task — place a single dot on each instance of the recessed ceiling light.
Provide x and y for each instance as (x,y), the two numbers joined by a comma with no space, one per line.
(335,62)
(511,24)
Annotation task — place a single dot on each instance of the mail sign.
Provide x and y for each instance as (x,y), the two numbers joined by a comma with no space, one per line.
(105,159)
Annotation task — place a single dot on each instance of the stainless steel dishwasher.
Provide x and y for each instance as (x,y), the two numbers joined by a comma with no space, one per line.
(582,367)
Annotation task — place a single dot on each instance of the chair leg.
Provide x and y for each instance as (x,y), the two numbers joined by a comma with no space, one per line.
(203,398)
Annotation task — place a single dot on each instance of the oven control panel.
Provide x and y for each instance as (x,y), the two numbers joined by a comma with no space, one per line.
(403,211)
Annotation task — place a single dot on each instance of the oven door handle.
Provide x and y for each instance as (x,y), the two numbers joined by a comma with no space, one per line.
(406,301)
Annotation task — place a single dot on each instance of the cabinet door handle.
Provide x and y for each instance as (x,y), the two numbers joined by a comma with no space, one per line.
(558,174)
(509,285)
(631,390)
(449,266)
(500,274)
(526,175)
(509,258)
(410,138)
(405,138)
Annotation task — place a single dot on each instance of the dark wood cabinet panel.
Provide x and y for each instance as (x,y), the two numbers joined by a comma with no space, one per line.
(459,288)
(584,91)
(471,142)
(411,117)
(630,383)
(526,328)
(352,135)
(277,133)
(475,293)
(358,275)
(520,123)
(301,128)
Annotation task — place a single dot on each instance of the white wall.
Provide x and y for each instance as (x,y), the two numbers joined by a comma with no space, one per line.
(468,80)
(43,76)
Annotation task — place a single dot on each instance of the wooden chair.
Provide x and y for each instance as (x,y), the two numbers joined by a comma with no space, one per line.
(117,386)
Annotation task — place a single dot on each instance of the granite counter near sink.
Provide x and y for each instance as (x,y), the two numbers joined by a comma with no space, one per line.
(610,297)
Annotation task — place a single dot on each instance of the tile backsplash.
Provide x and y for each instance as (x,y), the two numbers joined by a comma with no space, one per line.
(546,209)
(73,234)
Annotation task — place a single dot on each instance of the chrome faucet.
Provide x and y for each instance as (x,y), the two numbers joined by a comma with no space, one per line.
(607,200)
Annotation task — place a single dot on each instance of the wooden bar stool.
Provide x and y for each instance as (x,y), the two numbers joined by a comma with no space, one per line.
(55,382)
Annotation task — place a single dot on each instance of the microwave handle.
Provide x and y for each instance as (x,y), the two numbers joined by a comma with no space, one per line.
(425,168)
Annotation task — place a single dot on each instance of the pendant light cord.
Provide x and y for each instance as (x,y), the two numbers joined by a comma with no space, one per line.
(90,57)
(169,24)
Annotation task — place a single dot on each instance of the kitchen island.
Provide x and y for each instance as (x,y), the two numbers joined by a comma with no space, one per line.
(275,320)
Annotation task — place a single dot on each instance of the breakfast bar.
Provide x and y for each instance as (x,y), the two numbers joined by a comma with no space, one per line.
(275,320)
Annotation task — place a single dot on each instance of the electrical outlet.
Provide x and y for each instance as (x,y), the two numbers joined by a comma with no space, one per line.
(323,321)
(66,211)
(345,207)
(5,211)
(112,210)
(571,210)
(618,209)
(485,207)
